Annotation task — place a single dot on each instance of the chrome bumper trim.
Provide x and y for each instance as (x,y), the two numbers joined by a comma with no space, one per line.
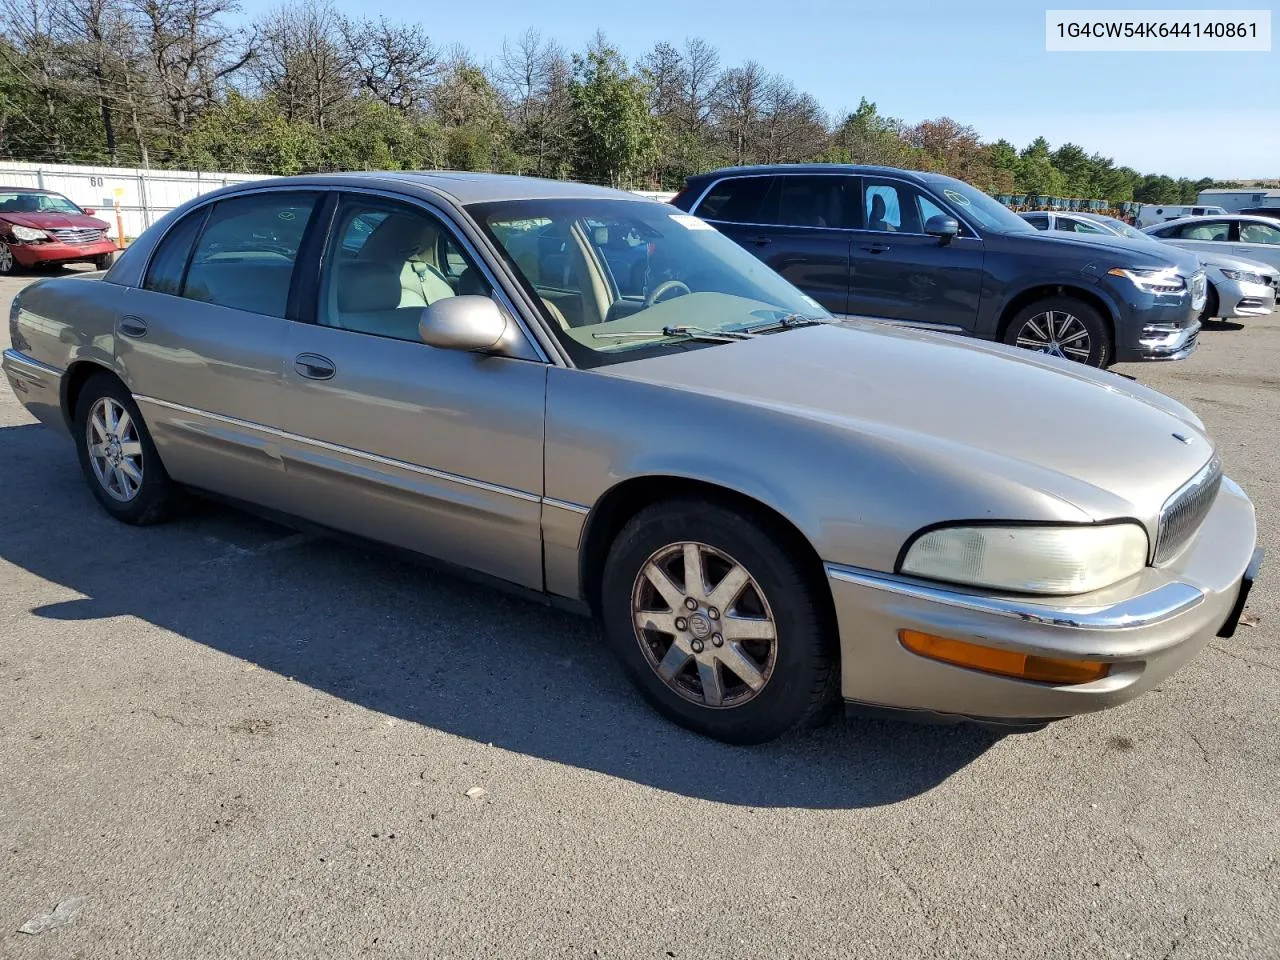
(1169,343)
(23,365)
(1161,604)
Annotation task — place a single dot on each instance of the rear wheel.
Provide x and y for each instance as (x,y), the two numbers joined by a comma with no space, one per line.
(1062,327)
(8,265)
(723,629)
(118,457)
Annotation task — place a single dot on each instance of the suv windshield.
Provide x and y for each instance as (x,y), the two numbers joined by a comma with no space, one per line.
(612,275)
(977,206)
(36,203)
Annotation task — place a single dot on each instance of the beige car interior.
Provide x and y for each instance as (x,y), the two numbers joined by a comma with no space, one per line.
(383,288)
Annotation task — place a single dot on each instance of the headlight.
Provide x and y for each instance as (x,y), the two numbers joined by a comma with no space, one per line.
(1243,276)
(27,234)
(1030,559)
(1152,281)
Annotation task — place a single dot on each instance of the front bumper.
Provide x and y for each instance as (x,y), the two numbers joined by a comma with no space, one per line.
(1237,299)
(1146,628)
(54,251)
(1157,327)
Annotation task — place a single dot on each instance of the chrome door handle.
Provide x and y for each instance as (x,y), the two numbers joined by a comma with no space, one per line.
(314,367)
(134,327)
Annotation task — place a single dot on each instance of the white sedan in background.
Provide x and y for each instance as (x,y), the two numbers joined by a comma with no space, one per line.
(1237,287)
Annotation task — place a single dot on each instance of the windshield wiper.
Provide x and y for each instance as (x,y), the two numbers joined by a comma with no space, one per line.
(692,333)
(789,322)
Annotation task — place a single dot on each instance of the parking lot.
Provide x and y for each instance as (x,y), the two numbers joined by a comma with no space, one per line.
(233,740)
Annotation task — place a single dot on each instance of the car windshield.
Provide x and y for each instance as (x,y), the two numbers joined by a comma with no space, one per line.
(616,276)
(976,205)
(25,202)
(1120,228)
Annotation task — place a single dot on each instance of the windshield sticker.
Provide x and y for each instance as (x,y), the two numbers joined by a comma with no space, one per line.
(954,197)
(691,223)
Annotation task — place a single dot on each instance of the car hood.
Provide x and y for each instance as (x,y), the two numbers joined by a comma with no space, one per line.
(54,221)
(1081,435)
(1236,263)
(1115,251)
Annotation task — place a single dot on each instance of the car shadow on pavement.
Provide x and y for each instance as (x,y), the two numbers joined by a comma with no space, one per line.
(425,647)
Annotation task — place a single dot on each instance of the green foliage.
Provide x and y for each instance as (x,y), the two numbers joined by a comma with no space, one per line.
(615,135)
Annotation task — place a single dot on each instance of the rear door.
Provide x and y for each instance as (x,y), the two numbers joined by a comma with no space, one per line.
(200,343)
(1258,240)
(438,451)
(900,272)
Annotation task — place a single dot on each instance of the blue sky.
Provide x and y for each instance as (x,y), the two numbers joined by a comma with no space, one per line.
(981,62)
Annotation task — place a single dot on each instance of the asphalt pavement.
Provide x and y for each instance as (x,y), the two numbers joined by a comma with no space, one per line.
(223,739)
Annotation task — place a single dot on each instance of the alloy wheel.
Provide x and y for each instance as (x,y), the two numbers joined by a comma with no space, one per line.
(115,450)
(704,625)
(6,259)
(1057,333)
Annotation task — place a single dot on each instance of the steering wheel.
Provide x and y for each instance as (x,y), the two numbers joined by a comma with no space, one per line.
(666,287)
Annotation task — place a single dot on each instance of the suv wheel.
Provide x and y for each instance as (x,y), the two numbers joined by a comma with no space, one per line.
(1062,327)
(722,629)
(118,457)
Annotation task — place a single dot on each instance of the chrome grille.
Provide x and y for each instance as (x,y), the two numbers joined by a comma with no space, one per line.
(79,235)
(1185,510)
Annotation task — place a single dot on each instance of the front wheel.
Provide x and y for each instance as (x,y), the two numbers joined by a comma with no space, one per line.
(104,262)
(118,457)
(1210,305)
(1062,327)
(723,629)
(8,265)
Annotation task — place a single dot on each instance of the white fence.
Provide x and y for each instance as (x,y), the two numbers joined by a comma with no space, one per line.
(144,196)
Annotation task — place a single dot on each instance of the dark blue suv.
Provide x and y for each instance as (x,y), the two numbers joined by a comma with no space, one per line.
(933,251)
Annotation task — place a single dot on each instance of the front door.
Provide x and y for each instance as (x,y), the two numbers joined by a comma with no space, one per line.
(200,343)
(899,272)
(437,451)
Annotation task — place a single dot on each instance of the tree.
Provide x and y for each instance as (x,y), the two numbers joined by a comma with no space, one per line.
(738,108)
(394,63)
(864,136)
(615,136)
(470,111)
(1037,175)
(303,63)
(534,77)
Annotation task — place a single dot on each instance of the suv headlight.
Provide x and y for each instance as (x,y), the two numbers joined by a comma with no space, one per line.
(1243,276)
(27,234)
(1165,280)
(1030,559)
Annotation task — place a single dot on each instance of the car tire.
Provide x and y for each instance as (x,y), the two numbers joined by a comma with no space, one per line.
(8,262)
(104,262)
(140,493)
(1030,328)
(765,687)
(1210,305)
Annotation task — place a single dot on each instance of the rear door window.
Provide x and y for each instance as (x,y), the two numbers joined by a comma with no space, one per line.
(169,262)
(735,200)
(244,258)
(1219,230)
(816,201)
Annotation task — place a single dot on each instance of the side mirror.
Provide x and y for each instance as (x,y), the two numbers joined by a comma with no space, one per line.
(944,228)
(463,323)
(89,211)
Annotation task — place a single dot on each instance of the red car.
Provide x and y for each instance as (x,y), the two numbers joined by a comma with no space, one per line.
(39,227)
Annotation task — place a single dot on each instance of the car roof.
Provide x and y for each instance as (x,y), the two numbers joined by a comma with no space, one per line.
(28,190)
(460,186)
(769,169)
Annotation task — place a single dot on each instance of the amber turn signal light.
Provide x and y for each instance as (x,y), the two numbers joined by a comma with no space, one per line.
(1004,663)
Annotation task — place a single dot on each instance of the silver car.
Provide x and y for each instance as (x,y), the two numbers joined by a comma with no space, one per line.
(1254,238)
(603,402)
(1237,287)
